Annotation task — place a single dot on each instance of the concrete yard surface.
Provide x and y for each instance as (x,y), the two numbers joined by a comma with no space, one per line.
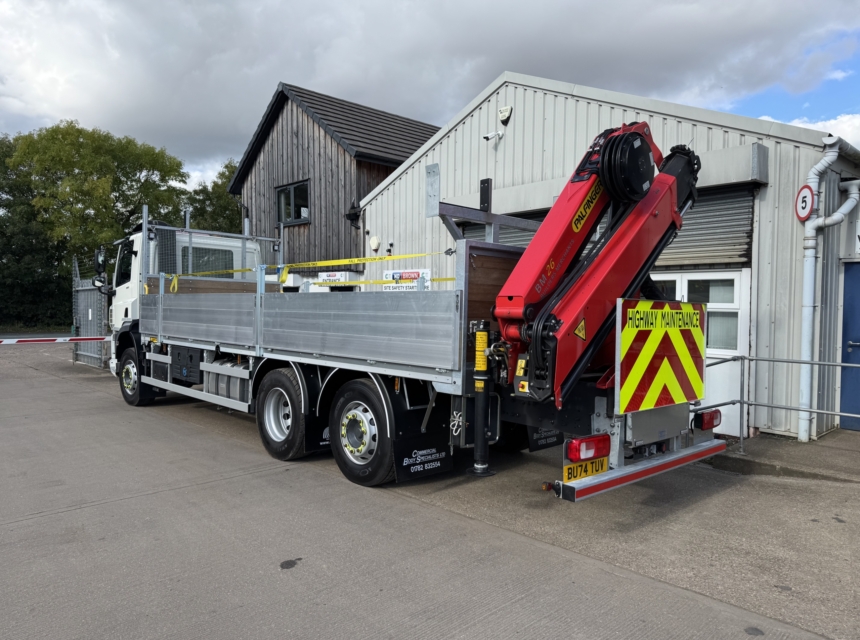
(834,456)
(171,521)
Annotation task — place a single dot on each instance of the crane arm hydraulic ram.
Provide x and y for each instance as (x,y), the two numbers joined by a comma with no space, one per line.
(557,307)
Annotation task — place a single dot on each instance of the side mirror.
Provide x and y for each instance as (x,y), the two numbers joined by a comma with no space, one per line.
(99,282)
(99,261)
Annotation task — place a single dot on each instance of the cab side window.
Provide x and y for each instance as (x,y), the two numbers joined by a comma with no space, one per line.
(123,266)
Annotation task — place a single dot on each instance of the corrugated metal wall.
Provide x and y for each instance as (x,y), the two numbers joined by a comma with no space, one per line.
(545,139)
(547,135)
(777,286)
(830,312)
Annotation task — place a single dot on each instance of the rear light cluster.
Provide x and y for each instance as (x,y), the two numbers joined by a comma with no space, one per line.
(708,420)
(588,448)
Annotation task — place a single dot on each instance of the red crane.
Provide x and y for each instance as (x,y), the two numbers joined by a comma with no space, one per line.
(557,309)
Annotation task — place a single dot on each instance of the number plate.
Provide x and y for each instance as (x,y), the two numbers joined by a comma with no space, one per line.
(580,470)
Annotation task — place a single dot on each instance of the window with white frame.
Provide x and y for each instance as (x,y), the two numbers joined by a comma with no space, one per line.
(720,291)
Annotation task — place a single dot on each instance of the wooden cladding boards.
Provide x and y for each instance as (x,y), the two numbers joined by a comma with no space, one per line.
(369,176)
(298,149)
(295,150)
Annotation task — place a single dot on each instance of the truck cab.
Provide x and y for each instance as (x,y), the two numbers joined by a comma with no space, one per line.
(172,251)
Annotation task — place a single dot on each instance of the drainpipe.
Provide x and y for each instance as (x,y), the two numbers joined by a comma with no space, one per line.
(834,146)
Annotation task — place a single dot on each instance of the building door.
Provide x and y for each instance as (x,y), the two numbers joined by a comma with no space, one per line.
(850,394)
(727,295)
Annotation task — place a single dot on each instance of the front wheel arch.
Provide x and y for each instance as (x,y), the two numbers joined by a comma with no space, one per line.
(280,420)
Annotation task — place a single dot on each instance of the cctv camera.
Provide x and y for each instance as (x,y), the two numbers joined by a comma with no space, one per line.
(494,134)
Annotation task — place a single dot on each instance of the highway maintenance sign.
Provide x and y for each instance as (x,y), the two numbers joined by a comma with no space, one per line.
(660,354)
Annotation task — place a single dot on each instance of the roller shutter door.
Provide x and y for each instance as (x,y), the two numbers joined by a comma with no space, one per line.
(718,230)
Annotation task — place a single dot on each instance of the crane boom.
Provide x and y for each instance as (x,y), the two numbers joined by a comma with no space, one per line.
(557,308)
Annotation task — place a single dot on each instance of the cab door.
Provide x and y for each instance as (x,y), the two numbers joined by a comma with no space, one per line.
(126,281)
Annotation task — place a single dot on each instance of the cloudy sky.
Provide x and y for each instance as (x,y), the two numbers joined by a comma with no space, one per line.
(196,76)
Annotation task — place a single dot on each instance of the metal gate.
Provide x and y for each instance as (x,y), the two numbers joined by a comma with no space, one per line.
(89,309)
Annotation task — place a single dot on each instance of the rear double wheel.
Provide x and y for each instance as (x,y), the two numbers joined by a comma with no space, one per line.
(279,415)
(358,426)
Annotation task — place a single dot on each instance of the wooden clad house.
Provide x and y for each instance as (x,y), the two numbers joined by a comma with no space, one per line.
(311,160)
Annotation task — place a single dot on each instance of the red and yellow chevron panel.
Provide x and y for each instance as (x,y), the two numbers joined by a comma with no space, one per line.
(660,354)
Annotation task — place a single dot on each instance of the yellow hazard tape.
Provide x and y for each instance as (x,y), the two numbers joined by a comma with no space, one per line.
(285,268)
(349,283)
(346,261)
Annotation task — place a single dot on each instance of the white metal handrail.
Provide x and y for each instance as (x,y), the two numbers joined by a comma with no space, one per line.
(742,400)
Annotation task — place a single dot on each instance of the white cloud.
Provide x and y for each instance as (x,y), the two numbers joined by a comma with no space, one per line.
(837,74)
(202,171)
(196,77)
(846,126)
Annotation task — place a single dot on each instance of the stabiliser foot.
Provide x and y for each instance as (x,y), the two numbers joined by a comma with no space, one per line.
(480,471)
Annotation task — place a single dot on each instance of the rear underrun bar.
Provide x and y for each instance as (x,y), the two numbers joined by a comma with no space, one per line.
(594,485)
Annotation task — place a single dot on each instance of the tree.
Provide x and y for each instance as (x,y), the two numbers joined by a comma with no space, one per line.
(89,185)
(212,207)
(35,280)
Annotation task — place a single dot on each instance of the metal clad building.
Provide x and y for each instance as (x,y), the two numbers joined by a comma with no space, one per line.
(740,248)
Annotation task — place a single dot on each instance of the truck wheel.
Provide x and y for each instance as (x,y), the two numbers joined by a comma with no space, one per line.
(279,415)
(129,379)
(359,435)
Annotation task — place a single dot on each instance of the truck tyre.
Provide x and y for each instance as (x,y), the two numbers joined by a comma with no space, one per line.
(129,379)
(279,415)
(359,434)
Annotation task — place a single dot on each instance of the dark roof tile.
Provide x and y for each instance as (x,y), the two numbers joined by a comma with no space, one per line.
(365,133)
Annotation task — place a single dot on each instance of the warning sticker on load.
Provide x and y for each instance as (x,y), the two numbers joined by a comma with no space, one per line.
(660,354)
(406,280)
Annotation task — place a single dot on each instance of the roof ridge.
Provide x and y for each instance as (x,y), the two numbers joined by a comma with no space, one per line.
(363,132)
(360,106)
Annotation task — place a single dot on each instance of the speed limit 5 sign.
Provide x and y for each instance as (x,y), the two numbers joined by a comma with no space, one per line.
(803,202)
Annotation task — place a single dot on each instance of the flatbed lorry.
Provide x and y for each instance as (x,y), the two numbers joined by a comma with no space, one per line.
(566,343)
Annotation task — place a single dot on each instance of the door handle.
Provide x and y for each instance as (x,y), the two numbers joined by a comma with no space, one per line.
(853,344)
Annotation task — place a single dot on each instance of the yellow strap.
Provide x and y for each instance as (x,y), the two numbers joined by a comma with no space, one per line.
(350,283)
(284,272)
(174,284)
